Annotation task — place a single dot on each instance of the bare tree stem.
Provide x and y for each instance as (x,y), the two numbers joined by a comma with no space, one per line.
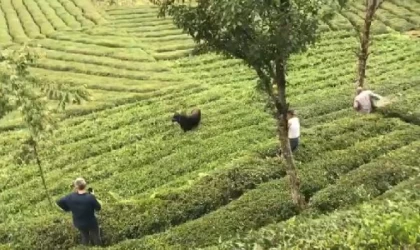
(41,171)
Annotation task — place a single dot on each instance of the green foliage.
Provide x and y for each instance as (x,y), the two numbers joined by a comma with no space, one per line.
(113,162)
(404,106)
(20,91)
(41,233)
(190,189)
(370,180)
(380,225)
(258,32)
(132,219)
(264,34)
(271,202)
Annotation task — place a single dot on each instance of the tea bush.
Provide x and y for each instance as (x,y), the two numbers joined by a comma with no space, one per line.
(165,189)
(370,180)
(270,202)
(379,225)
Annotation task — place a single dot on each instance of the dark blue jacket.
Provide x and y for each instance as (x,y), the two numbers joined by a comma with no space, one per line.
(83,208)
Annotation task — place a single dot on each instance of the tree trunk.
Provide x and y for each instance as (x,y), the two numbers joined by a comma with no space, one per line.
(41,171)
(371,7)
(282,130)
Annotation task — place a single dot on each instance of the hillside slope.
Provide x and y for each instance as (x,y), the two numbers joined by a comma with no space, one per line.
(186,190)
(389,222)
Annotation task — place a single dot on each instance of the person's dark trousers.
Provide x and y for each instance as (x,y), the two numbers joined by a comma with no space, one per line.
(90,234)
(294,143)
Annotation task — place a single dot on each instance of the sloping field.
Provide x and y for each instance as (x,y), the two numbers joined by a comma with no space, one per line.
(374,223)
(170,190)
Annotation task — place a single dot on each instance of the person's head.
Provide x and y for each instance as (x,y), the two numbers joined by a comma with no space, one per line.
(80,184)
(359,90)
(291,113)
(177,117)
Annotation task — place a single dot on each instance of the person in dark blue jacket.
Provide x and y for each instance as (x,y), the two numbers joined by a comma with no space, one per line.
(83,205)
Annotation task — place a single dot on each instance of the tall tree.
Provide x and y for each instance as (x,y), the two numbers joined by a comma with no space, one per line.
(264,34)
(19,91)
(364,36)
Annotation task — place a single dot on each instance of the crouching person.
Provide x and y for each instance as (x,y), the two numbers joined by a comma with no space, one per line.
(364,101)
(83,205)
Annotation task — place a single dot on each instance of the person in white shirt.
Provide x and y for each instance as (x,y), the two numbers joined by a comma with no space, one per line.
(294,129)
(364,100)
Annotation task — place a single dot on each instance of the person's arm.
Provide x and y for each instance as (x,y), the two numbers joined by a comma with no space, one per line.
(96,205)
(374,96)
(356,105)
(62,203)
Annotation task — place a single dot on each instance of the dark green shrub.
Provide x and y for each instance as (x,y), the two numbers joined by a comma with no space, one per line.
(404,187)
(135,219)
(337,163)
(174,208)
(270,202)
(48,232)
(381,224)
(127,220)
(366,182)
(404,106)
(386,225)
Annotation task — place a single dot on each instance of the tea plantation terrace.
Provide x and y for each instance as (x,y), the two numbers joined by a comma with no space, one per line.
(165,189)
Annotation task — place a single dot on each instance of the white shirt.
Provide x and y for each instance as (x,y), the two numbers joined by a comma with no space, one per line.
(294,128)
(364,100)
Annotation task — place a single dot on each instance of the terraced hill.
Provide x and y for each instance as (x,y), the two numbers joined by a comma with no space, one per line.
(185,190)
